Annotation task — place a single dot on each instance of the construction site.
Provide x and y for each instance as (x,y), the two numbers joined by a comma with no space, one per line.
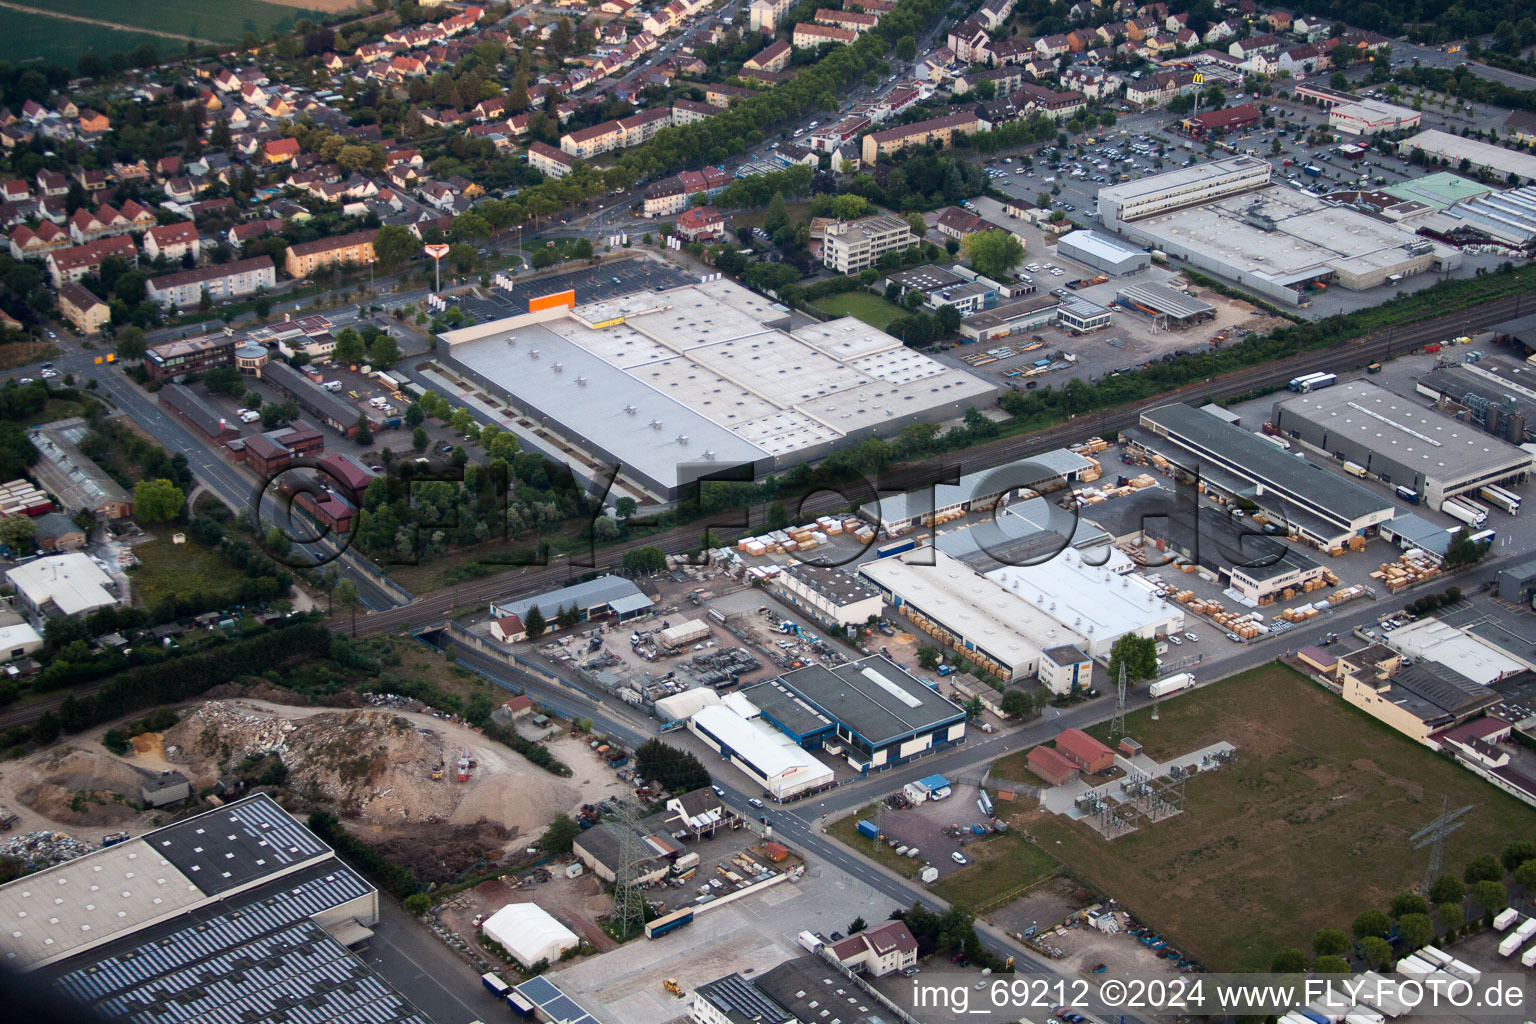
(439,794)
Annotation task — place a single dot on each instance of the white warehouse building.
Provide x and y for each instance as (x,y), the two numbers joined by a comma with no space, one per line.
(767,756)
(529,933)
(1185,186)
(1100,602)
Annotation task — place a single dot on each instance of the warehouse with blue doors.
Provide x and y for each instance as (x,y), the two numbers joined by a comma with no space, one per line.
(871,712)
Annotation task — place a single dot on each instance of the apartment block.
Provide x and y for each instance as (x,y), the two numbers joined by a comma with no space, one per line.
(853,246)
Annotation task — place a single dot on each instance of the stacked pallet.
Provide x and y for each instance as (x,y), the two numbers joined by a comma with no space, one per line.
(1410,568)
(1338,597)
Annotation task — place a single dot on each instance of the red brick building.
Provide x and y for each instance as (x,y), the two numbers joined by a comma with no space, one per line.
(1084,751)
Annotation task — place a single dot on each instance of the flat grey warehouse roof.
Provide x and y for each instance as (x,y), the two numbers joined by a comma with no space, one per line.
(873,697)
(1404,431)
(1264,460)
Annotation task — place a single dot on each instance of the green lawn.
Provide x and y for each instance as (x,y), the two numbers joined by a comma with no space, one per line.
(181,569)
(1001,866)
(1015,768)
(870,308)
(1306,829)
(846,832)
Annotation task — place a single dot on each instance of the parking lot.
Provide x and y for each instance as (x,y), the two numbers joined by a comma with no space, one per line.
(614,277)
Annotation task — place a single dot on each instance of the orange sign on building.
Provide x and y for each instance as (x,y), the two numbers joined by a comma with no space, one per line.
(565,298)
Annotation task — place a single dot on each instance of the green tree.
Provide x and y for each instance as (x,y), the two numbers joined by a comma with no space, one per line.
(1517,853)
(648,558)
(346,595)
(17,533)
(383,352)
(777,217)
(363,435)
(1329,942)
(1463,551)
(1409,903)
(974,708)
(129,343)
(1483,869)
(393,246)
(906,48)
(1416,929)
(1490,895)
(1451,915)
(224,380)
(1331,964)
(948,318)
(349,347)
(157,500)
(777,516)
(857,925)
(558,836)
(533,622)
(1376,950)
(994,253)
(568,617)
(677,770)
(624,507)
(419,439)
(1016,703)
(1289,961)
(1137,653)
(1372,922)
(1447,889)
(1525,875)
(415,415)
(929,657)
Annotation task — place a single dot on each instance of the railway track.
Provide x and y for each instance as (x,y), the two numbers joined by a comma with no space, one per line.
(437,606)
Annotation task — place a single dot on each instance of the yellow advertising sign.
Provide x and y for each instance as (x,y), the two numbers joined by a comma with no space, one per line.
(608,323)
(1199,78)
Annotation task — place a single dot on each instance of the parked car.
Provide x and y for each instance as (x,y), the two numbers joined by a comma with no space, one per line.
(958,857)
(755,802)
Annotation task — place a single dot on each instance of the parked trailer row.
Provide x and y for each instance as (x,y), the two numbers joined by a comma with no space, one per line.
(1377,995)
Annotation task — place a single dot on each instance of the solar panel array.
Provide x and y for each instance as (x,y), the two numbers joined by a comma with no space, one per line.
(733,993)
(553,1003)
(225,849)
(263,960)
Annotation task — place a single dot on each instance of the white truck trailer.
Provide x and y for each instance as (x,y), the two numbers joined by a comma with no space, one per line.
(1173,684)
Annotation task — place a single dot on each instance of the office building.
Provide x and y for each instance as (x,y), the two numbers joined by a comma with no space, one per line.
(853,246)
(1185,186)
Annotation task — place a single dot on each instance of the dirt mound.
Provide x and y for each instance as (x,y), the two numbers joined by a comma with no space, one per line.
(438,853)
(78,787)
(372,764)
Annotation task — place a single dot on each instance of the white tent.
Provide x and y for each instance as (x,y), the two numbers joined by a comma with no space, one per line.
(529,933)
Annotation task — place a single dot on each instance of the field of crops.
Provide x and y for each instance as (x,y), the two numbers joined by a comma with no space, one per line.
(117,26)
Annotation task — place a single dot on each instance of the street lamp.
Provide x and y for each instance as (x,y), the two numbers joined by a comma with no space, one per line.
(371,262)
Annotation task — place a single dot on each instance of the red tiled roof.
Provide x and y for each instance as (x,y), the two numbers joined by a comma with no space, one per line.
(1076,743)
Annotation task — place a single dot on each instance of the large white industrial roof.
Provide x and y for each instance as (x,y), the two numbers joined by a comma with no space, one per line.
(769,751)
(529,933)
(73,582)
(1480,154)
(679,706)
(706,368)
(970,604)
(1101,602)
(1470,655)
(85,901)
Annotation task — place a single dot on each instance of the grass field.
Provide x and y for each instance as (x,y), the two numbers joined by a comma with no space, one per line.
(870,308)
(167,568)
(43,39)
(38,39)
(1306,829)
(1001,866)
(1015,768)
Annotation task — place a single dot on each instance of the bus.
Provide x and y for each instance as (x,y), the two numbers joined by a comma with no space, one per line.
(1318,381)
(1311,382)
(1508,501)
